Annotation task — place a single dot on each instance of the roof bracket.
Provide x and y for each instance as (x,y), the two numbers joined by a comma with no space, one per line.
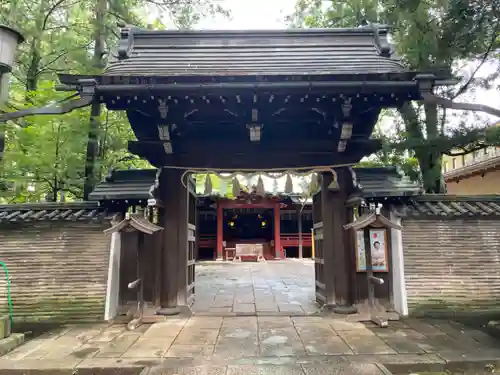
(125,44)
(426,85)
(383,46)
(51,109)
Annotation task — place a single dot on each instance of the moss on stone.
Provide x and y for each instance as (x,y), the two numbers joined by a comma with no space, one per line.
(58,310)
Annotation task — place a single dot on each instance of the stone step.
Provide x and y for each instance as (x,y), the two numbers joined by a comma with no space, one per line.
(347,369)
(10,343)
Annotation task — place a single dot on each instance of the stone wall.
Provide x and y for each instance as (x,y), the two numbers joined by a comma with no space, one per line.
(58,270)
(452,265)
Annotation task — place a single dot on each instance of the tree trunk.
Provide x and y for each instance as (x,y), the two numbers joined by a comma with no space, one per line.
(428,158)
(430,167)
(95,111)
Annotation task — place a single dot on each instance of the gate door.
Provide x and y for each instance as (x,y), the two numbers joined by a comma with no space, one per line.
(191,261)
(191,249)
(319,261)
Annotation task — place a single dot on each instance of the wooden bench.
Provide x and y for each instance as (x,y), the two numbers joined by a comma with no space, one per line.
(251,251)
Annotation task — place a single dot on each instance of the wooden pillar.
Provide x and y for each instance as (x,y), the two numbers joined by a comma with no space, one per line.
(299,229)
(220,230)
(335,244)
(277,231)
(312,244)
(113,287)
(174,197)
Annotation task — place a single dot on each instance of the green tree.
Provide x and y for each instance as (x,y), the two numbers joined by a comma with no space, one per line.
(73,36)
(432,36)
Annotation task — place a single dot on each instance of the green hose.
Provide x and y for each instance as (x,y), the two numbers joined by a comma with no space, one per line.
(9,300)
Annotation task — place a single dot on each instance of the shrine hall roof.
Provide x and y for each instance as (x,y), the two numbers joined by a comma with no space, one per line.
(347,51)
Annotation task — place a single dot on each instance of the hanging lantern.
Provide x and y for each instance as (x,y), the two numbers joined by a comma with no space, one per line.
(260,187)
(9,41)
(236,187)
(289,185)
(208,185)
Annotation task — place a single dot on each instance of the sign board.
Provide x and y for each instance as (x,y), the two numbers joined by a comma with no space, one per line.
(378,249)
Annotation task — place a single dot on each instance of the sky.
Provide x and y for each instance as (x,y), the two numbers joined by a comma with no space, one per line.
(255,14)
(270,14)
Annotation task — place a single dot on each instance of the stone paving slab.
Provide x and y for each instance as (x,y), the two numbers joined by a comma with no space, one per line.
(273,288)
(306,344)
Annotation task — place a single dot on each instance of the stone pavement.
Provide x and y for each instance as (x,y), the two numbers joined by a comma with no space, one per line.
(271,288)
(307,345)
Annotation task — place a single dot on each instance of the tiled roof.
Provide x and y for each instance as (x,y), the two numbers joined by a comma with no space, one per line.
(88,211)
(385,182)
(362,50)
(449,206)
(135,184)
(132,184)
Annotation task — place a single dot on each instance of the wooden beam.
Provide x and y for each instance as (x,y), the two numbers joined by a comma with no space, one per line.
(245,147)
(268,161)
(238,155)
(284,87)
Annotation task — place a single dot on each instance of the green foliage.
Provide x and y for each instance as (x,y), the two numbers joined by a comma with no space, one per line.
(46,160)
(45,156)
(431,36)
(219,186)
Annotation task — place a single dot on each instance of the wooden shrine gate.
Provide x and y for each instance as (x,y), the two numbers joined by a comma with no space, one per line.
(249,101)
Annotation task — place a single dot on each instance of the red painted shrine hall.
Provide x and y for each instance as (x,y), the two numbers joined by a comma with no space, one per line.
(250,221)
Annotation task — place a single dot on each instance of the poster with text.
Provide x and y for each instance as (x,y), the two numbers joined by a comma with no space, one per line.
(378,249)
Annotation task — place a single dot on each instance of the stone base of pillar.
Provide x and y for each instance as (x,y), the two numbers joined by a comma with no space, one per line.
(331,308)
(219,259)
(345,310)
(168,311)
(327,308)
